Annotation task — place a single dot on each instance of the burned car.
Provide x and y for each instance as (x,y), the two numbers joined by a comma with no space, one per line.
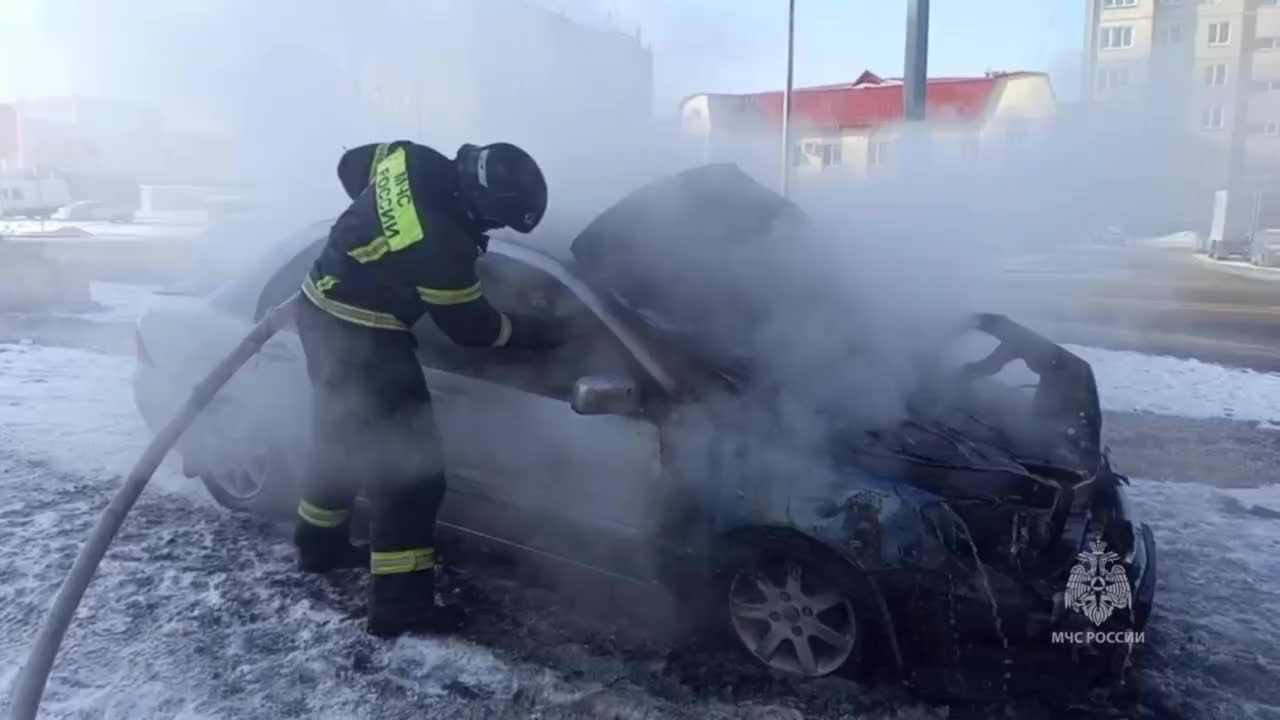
(972,527)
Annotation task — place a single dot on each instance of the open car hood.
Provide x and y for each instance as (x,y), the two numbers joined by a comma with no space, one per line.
(649,256)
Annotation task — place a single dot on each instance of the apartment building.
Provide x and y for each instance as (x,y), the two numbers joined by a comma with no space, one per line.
(1211,66)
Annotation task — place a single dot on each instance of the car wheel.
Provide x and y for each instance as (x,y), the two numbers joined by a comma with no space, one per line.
(257,487)
(796,612)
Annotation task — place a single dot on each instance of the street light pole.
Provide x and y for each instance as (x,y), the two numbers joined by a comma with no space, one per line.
(786,97)
(915,73)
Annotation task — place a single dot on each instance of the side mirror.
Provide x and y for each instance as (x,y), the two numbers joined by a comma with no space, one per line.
(599,395)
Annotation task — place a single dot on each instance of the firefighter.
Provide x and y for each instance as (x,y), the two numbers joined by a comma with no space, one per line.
(406,246)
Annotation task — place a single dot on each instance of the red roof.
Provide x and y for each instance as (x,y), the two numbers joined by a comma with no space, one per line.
(871,101)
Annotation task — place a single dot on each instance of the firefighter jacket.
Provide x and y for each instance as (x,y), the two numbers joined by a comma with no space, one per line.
(402,249)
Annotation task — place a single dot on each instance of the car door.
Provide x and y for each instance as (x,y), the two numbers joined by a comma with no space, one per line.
(523,466)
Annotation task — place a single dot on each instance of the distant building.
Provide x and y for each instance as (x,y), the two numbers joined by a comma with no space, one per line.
(104,148)
(1210,66)
(508,70)
(853,128)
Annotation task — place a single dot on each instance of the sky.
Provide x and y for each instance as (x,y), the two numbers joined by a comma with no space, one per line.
(141,48)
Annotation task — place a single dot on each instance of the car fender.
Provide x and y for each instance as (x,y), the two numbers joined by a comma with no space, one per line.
(874,523)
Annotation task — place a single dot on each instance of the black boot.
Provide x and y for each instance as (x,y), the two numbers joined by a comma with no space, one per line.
(321,550)
(405,603)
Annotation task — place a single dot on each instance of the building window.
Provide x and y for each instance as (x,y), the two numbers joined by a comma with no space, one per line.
(1213,117)
(1271,128)
(828,154)
(1116,36)
(1219,33)
(1170,2)
(1268,3)
(1267,43)
(832,154)
(878,153)
(1112,78)
(1215,74)
(1266,85)
(1119,3)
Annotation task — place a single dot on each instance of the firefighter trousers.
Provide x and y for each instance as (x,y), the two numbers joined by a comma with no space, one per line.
(372,431)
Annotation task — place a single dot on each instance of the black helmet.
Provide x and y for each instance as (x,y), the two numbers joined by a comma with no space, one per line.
(501,185)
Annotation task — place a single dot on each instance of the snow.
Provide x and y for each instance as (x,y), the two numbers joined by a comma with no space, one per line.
(214,622)
(73,409)
(53,230)
(1185,240)
(1134,382)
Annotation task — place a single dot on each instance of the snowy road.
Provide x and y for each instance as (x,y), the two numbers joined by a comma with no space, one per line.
(198,614)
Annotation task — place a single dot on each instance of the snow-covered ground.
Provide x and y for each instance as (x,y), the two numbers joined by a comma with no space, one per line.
(197,613)
(1133,382)
(84,229)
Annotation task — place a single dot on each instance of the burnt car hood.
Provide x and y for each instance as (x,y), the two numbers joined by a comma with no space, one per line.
(649,253)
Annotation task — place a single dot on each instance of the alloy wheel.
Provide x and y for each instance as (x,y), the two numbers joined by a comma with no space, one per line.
(793,617)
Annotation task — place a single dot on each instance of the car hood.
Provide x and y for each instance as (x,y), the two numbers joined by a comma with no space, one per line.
(648,255)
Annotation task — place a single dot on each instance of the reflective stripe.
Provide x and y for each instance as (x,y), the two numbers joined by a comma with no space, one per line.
(504,332)
(459,296)
(343,311)
(402,561)
(321,517)
(396,209)
(379,154)
(373,251)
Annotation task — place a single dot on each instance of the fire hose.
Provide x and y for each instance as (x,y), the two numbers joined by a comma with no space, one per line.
(30,686)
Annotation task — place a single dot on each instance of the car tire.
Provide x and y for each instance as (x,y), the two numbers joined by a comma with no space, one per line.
(780,597)
(259,487)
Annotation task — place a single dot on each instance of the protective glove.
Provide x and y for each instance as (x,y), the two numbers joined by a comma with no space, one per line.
(534,333)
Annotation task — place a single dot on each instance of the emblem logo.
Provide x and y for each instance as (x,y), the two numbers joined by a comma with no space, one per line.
(1098,585)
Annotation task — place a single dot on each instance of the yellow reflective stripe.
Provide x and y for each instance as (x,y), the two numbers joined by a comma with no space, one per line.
(459,296)
(396,209)
(371,252)
(402,561)
(349,313)
(326,283)
(379,154)
(321,517)
(504,332)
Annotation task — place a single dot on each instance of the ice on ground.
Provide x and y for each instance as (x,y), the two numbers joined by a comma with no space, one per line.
(1187,240)
(74,409)
(90,229)
(1134,382)
(214,622)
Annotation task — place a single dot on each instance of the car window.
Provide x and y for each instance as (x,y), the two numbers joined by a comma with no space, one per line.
(514,287)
